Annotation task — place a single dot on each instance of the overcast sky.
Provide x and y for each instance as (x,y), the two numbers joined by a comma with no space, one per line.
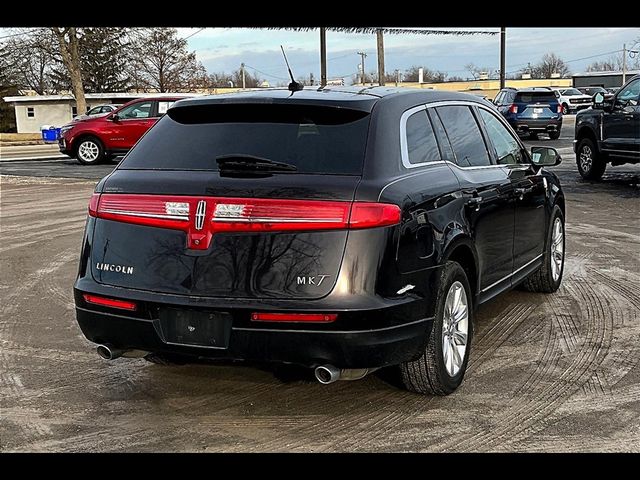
(223,49)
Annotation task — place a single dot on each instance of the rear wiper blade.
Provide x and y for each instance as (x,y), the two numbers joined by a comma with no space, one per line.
(251,162)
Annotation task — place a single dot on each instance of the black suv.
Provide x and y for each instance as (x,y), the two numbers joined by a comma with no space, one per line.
(531,110)
(609,132)
(341,230)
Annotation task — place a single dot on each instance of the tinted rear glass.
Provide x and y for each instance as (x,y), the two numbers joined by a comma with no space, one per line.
(313,138)
(571,91)
(532,97)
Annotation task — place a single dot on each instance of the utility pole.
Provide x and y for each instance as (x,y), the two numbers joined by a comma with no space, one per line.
(380,41)
(503,51)
(242,72)
(362,57)
(624,63)
(323,56)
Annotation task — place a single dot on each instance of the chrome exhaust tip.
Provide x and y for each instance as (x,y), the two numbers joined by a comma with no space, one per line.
(108,352)
(327,374)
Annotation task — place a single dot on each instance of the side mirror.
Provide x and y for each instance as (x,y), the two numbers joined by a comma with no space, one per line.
(598,98)
(545,156)
(114,117)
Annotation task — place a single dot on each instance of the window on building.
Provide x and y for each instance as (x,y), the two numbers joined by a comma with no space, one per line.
(74,111)
(31,112)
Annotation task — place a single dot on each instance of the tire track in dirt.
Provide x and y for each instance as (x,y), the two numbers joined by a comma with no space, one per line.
(497,333)
(488,341)
(529,410)
(22,292)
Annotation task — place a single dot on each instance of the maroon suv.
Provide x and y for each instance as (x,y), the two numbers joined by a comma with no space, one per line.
(93,139)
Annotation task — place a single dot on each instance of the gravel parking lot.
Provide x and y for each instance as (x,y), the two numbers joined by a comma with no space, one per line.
(548,372)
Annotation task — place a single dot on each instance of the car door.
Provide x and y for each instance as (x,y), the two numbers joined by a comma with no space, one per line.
(486,189)
(132,122)
(621,127)
(529,190)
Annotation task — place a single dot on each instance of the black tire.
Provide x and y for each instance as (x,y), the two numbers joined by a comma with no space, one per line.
(428,374)
(533,136)
(591,165)
(554,135)
(165,359)
(89,151)
(542,280)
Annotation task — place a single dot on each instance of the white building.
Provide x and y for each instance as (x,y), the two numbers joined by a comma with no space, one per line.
(34,111)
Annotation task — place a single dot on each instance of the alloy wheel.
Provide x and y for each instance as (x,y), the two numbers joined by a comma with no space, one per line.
(557,249)
(455,329)
(88,151)
(586,158)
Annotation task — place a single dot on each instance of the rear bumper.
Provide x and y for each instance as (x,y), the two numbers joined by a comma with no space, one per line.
(342,348)
(537,125)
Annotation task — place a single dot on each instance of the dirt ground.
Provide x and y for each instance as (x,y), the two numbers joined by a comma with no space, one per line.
(548,373)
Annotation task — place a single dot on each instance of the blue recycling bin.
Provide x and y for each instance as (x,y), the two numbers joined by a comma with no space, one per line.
(51,134)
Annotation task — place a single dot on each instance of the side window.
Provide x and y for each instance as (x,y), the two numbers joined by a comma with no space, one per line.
(465,137)
(629,95)
(137,110)
(507,148)
(421,141)
(443,141)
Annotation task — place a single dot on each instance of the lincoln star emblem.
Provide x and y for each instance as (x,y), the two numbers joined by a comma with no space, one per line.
(200,214)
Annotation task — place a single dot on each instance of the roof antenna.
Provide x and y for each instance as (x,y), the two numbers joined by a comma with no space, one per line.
(293,86)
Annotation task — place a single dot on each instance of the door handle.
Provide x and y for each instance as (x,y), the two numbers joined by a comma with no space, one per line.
(520,192)
(474,202)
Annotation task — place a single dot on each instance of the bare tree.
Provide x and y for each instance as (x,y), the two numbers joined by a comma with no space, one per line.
(614,63)
(412,74)
(28,59)
(161,61)
(476,71)
(70,53)
(548,65)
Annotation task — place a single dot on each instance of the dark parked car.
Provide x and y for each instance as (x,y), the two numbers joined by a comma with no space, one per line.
(531,110)
(341,230)
(609,132)
(93,139)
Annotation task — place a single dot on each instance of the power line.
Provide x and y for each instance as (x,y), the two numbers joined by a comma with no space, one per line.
(194,33)
(263,73)
(19,33)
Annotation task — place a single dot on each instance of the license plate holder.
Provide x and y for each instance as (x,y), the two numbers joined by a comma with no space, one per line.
(195,328)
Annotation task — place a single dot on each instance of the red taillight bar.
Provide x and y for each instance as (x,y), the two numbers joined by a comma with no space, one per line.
(202,217)
(295,317)
(110,302)
(513,108)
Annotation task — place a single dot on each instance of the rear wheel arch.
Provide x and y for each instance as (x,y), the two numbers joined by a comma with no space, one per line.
(462,251)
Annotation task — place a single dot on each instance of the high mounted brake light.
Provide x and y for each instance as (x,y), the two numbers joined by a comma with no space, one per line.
(202,217)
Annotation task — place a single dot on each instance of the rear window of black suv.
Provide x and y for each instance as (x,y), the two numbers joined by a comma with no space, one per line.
(314,139)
